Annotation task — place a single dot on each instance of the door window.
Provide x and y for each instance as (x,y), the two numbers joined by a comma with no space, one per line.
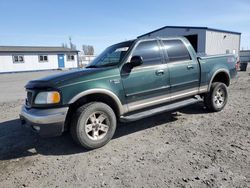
(150,53)
(176,50)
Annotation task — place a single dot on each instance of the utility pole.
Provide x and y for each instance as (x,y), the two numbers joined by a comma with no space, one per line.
(70,42)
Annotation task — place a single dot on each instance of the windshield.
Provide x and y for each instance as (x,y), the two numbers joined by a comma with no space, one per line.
(111,56)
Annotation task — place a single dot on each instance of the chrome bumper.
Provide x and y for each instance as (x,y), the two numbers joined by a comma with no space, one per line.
(47,122)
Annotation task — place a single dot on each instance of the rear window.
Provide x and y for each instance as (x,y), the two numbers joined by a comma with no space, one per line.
(176,50)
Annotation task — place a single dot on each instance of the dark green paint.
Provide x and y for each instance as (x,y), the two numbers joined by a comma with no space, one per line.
(143,82)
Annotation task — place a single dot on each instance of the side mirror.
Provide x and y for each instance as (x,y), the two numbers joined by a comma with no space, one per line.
(136,61)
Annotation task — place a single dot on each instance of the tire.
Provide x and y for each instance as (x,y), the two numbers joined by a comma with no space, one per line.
(93,125)
(243,66)
(217,98)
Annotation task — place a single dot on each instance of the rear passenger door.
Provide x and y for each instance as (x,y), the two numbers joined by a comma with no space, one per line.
(184,72)
(147,84)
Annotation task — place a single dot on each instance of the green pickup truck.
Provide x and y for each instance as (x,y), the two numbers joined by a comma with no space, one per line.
(127,82)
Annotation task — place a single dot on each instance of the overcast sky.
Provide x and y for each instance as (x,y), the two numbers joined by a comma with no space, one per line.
(103,22)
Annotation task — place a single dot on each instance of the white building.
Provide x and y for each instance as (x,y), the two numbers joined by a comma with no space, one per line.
(84,60)
(31,58)
(204,40)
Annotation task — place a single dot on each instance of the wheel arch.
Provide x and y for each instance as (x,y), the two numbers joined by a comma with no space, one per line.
(221,75)
(100,95)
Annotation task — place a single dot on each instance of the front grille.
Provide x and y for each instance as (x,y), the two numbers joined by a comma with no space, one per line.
(29,98)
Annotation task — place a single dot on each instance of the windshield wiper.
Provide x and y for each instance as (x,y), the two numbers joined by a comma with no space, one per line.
(104,65)
(92,66)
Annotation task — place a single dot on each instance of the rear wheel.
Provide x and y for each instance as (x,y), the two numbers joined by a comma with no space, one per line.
(216,99)
(94,124)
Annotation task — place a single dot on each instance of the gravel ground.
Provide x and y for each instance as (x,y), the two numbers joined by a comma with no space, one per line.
(189,148)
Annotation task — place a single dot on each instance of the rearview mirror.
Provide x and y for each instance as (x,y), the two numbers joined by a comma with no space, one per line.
(136,61)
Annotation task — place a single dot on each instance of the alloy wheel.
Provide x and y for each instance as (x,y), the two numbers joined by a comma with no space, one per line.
(97,125)
(219,98)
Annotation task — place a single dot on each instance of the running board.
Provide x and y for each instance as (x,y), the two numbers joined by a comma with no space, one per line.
(158,110)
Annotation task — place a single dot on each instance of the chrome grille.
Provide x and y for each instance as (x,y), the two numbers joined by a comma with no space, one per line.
(29,98)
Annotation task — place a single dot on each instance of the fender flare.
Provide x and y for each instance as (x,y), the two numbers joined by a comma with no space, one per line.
(217,72)
(122,108)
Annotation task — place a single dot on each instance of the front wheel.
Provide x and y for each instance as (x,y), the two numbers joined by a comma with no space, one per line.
(94,124)
(216,99)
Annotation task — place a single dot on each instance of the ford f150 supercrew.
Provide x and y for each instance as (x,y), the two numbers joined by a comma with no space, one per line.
(127,82)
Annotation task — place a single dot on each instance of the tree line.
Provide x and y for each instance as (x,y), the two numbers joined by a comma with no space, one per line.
(87,49)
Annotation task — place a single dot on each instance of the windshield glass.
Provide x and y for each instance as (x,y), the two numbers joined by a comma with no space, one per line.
(112,55)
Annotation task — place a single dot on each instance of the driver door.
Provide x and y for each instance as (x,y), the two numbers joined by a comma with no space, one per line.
(148,84)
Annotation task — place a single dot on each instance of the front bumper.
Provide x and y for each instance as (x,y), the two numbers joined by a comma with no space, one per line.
(46,122)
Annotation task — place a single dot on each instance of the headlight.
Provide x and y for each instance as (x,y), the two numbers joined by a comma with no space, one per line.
(50,97)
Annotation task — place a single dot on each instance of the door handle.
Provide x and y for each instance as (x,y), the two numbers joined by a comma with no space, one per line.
(190,67)
(159,72)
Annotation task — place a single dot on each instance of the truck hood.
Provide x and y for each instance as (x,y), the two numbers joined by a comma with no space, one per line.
(53,80)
